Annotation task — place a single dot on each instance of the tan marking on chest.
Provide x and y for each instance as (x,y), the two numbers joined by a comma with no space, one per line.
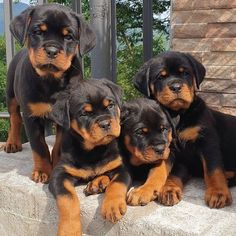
(190,134)
(87,173)
(39,109)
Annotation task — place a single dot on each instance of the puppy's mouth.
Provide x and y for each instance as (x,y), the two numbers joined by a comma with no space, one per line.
(149,156)
(175,101)
(105,140)
(97,135)
(179,103)
(49,67)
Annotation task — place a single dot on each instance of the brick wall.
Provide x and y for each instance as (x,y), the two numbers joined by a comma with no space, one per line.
(207,30)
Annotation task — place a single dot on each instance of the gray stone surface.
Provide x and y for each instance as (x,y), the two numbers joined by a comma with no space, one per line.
(27,208)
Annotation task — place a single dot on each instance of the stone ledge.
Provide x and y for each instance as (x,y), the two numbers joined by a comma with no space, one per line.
(27,208)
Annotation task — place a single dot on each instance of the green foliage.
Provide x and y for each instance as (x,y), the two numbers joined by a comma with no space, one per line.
(2,73)
(130,36)
(2,50)
(128,65)
(64,2)
(130,20)
(2,85)
(4,126)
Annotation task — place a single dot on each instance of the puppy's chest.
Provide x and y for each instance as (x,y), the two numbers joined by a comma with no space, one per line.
(189,133)
(41,98)
(88,171)
(45,88)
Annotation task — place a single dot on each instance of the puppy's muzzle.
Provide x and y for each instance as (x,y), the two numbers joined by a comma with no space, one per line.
(176,87)
(52,51)
(105,124)
(159,149)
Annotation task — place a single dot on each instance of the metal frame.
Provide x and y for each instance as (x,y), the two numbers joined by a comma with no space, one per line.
(147,29)
(8,37)
(103,56)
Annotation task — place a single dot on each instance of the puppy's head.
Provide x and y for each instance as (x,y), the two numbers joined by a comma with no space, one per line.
(53,34)
(171,79)
(91,111)
(146,131)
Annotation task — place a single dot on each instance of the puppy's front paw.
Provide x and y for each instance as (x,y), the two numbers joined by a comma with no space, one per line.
(40,177)
(12,147)
(70,228)
(170,195)
(113,209)
(97,185)
(141,195)
(218,198)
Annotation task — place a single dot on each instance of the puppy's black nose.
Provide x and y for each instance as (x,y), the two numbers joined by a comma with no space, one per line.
(105,124)
(52,51)
(159,149)
(176,87)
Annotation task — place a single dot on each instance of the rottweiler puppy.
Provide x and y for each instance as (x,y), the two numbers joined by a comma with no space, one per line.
(206,137)
(90,117)
(53,35)
(145,141)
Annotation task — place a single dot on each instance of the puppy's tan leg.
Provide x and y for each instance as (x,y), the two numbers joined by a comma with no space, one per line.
(151,188)
(13,143)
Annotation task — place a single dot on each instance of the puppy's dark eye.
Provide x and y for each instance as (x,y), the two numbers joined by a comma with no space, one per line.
(85,113)
(160,77)
(68,37)
(37,31)
(185,73)
(111,105)
(142,131)
(163,129)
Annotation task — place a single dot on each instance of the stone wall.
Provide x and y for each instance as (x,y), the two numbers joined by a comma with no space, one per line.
(207,30)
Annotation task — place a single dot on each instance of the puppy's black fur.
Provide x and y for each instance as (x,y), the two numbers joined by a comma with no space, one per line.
(206,136)
(90,115)
(53,35)
(145,140)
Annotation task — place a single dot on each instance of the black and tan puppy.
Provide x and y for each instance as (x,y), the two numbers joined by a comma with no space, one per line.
(90,115)
(53,36)
(206,137)
(145,137)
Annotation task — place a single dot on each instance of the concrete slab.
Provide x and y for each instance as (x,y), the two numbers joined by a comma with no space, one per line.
(28,209)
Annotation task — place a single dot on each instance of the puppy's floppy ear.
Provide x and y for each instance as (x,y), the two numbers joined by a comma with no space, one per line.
(20,24)
(87,37)
(141,80)
(173,120)
(125,112)
(60,113)
(116,90)
(198,69)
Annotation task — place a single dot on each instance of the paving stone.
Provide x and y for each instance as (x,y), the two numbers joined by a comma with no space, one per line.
(28,209)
